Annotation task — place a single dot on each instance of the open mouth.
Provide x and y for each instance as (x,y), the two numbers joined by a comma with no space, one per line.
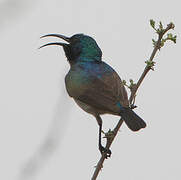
(67,39)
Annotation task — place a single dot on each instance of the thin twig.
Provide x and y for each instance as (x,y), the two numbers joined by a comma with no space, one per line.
(147,68)
(133,93)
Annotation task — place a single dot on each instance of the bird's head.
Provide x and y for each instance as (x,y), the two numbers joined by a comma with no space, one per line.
(77,47)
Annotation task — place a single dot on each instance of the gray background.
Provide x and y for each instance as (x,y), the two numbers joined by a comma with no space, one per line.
(43,134)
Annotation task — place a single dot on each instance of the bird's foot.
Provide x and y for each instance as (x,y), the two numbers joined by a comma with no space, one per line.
(109,135)
(105,151)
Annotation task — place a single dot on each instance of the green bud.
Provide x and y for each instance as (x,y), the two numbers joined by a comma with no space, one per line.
(124,82)
(171,37)
(150,64)
(131,81)
(162,42)
(173,25)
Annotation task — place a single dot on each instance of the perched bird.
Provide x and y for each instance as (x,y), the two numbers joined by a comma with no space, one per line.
(93,84)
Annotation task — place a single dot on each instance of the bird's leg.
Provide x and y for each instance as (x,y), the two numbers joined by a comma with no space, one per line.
(101,148)
(133,106)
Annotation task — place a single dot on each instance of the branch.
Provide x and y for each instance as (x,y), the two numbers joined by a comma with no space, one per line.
(149,66)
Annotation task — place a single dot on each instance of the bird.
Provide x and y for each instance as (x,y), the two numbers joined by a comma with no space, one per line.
(93,84)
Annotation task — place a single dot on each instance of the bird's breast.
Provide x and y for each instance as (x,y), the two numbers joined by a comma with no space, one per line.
(82,75)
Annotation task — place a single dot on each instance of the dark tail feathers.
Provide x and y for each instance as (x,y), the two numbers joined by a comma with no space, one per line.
(133,121)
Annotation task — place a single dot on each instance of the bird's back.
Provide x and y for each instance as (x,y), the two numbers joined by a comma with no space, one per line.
(98,85)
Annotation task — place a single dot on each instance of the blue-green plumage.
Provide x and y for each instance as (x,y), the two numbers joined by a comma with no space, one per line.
(93,84)
(97,85)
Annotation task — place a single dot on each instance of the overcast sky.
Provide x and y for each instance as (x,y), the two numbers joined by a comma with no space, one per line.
(43,133)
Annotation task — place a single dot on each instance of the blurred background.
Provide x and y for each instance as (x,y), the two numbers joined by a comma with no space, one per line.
(43,134)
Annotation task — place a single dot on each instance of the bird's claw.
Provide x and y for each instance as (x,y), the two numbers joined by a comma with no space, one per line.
(105,151)
(133,106)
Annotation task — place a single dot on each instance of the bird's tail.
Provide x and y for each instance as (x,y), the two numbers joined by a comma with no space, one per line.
(133,121)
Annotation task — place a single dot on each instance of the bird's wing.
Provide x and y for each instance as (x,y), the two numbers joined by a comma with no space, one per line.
(105,92)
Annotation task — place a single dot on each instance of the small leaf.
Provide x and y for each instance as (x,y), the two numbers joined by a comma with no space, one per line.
(158,31)
(152,23)
(154,42)
(175,39)
(161,25)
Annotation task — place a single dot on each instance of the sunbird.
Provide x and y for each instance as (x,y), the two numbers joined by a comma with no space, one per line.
(94,85)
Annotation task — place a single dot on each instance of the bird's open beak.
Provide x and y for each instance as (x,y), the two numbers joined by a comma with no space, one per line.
(67,39)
